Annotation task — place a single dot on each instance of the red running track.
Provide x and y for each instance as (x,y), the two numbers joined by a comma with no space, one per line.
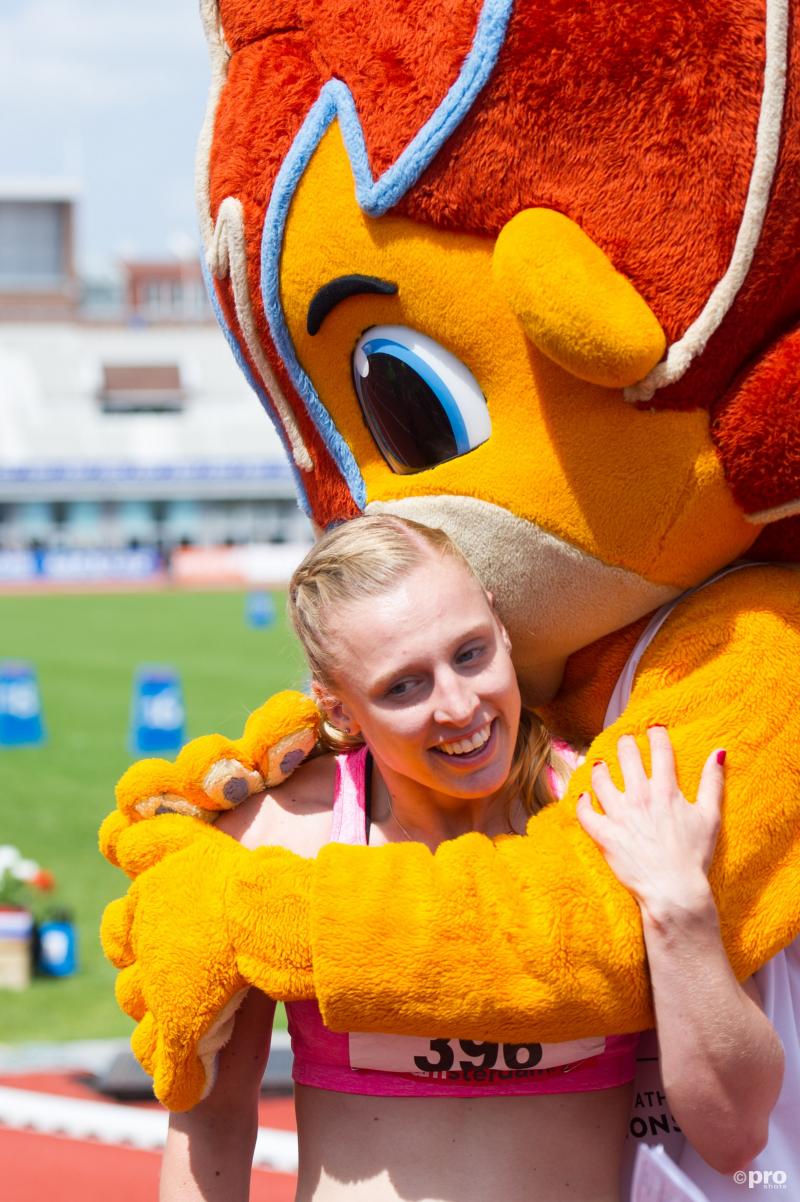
(51,1168)
(36,1168)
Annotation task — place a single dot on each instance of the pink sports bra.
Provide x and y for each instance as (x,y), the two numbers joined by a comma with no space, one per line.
(411,1066)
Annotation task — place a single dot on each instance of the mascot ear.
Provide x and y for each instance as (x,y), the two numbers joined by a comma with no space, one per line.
(756,429)
(573,305)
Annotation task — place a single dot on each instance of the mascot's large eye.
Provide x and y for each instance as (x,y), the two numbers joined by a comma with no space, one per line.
(420,402)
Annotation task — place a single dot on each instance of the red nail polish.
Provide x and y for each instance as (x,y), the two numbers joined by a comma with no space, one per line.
(656,726)
(597,763)
(721,757)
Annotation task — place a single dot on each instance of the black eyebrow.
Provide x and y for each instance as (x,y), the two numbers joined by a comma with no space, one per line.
(335,291)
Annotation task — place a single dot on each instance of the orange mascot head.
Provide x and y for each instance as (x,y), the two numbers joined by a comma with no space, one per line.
(526,271)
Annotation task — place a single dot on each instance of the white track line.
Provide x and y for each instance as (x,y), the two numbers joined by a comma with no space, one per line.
(77,1118)
(89,1055)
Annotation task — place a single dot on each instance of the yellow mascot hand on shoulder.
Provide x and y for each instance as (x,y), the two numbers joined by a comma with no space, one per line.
(185,1004)
(588,216)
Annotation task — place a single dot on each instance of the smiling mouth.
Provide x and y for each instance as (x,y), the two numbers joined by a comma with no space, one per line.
(464,749)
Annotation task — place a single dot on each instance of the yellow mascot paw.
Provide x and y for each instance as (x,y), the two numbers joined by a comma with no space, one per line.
(219,774)
(171,938)
(213,773)
(187,952)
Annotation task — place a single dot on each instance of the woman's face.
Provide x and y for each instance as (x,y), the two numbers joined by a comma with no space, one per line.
(424,673)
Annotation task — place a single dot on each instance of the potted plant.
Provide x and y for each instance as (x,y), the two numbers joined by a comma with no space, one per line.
(20,880)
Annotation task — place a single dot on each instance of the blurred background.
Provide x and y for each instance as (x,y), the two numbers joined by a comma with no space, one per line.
(148,521)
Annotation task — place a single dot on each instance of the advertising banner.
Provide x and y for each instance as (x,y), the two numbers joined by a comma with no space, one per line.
(89,566)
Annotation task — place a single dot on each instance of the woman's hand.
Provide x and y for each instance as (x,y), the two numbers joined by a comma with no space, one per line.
(656,843)
(721,1060)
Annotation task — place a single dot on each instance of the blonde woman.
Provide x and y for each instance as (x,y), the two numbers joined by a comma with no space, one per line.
(412,669)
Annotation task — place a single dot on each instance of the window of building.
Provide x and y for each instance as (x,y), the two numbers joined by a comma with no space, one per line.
(183,521)
(199,300)
(153,296)
(35,519)
(136,520)
(83,515)
(142,388)
(32,247)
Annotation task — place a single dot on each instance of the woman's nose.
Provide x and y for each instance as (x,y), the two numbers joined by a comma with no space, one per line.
(456,701)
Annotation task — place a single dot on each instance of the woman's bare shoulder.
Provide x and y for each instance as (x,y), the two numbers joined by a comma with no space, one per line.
(296,815)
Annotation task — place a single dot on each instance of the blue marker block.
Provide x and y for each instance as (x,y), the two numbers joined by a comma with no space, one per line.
(21,722)
(57,953)
(158,716)
(260,610)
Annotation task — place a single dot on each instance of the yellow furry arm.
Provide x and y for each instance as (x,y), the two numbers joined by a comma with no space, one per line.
(534,937)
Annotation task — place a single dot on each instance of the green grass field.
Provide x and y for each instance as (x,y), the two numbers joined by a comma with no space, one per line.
(85,649)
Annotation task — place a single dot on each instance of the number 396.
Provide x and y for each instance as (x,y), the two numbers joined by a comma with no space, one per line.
(506,1056)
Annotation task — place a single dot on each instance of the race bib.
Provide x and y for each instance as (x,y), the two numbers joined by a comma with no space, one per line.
(439,1058)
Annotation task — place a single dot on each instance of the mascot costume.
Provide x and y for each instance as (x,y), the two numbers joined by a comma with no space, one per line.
(526,270)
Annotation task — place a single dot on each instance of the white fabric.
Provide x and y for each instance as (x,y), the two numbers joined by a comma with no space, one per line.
(777,1169)
(624,686)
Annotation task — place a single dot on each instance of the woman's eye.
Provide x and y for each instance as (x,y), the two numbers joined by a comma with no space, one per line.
(421,404)
(470,654)
(400,689)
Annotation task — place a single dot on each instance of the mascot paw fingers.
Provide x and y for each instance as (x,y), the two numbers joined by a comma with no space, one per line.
(110,830)
(148,843)
(279,735)
(180,1083)
(151,787)
(282,759)
(115,932)
(228,783)
(180,1078)
(216,774)
(179,1057)
(129,992)
(179,979)
(144,1042)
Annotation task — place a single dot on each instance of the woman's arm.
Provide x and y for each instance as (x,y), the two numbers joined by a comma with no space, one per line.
(721,1060)
(209,1149)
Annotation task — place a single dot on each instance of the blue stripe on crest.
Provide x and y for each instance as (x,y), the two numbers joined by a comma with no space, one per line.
(374,196)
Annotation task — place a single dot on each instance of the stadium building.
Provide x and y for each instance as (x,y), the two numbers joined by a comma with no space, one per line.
(124,421)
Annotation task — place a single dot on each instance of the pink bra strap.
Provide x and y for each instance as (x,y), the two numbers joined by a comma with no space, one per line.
(349,799)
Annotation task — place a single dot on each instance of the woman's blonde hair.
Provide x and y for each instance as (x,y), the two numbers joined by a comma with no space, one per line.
(363,558)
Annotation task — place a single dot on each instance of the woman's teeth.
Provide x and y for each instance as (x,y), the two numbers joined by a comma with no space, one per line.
(463,746)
